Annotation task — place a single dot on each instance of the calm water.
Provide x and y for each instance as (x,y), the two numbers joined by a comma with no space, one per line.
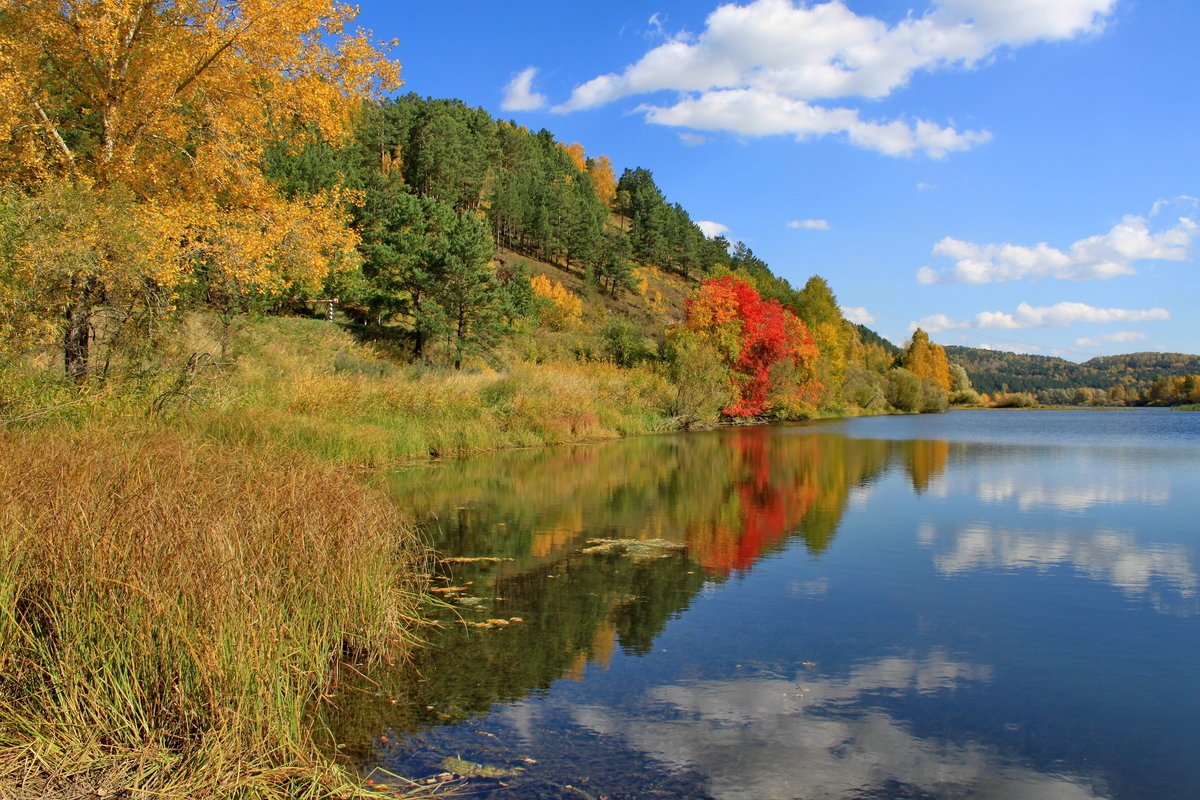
(978,604)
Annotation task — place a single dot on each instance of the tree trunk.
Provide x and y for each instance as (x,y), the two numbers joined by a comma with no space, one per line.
(460,331)
(77,338)
(418,332)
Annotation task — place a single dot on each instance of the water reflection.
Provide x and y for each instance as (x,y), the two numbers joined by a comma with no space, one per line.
(774,541)
(1114,557)
(806,736)
(1031,495)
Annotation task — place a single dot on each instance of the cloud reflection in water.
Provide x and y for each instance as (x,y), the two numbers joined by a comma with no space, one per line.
(1114,557)
(817,737)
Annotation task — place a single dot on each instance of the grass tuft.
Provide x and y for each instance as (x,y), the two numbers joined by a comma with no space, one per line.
(170,613)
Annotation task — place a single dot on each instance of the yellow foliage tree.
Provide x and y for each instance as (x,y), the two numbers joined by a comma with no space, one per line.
(175,102)
(926,359)
(604,179)
(561,306)
(577,154)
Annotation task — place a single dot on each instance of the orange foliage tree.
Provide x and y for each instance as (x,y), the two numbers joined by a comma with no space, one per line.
(577,154)
(561,307)
(173,104)
(768,349)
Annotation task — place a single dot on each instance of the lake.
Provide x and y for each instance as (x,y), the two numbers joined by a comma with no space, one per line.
(986,604)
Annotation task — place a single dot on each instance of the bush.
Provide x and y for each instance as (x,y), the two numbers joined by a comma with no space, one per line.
(701,379)
(624,344)
(903,390)
(966,397)
(1013,400)
(933,397)
(865,389)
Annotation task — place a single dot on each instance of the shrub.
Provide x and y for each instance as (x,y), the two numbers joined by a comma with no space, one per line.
(1013,400)
(624,344)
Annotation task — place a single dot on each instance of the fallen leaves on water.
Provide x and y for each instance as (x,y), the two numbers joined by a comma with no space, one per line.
(475,560)
(637,549)
(468,769)
(495,623)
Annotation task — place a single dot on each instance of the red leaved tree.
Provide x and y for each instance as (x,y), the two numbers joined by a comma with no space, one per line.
(768,349)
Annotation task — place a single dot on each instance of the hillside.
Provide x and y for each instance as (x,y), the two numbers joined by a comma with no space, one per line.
(1045,376)
(651,306)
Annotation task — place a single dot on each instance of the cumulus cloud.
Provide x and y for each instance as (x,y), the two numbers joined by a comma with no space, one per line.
(1100,257)
(1027,316)
(1120,337)
(519,94)
(809,224)
(776,58)
(712,229)
(752,112)
(858,314)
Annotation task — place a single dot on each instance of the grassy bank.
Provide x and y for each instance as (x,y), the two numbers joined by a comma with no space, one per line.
(184,556)
(170,611)
(312,386)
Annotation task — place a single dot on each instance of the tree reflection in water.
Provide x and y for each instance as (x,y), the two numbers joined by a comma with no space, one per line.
(728,499)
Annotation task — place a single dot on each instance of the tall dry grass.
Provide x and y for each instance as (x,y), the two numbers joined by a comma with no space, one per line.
(309,385)
(169,613)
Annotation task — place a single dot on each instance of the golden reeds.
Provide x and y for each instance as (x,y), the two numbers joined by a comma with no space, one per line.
(169,612)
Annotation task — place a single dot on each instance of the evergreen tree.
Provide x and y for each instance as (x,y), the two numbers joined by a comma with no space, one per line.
(466,289)
(641,202)
(612,272)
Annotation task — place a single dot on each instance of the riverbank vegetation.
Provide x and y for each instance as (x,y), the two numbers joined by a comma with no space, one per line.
(170,612)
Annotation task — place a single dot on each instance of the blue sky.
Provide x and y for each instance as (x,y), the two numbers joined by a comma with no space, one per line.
(1017,174)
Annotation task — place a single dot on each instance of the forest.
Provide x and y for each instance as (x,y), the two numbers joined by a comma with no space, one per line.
(1137,379)
(401,221)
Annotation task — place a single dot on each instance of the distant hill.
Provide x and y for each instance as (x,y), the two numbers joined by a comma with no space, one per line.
(993,370)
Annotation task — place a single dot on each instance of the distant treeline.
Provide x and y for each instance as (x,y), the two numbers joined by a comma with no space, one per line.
(1135,379)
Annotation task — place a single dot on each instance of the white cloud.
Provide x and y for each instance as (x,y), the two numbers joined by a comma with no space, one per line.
(1010,347)
(753,112)
(712,229)
(692,139)
(809,224)
(858,314)
(936,323)
(1027,316)
(925,187)
(772,53)
(1121,337)
(519,94)
(1099,257)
